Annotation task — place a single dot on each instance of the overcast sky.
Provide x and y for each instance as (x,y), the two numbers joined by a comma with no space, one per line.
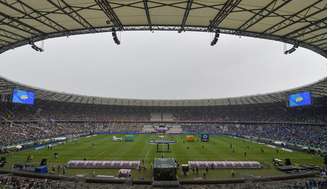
(162,65)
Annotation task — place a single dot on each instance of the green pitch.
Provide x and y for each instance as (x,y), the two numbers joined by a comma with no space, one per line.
(101,147)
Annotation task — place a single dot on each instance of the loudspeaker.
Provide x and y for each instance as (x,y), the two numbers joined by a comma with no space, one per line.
(43,162)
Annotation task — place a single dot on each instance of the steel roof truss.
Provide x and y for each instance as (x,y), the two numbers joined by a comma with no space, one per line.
(317,24)
(295,18)
(110,13)
(223,13)
(15,23)
(315,37)
(267,10)
(34,14)
(145,2)
(72,13)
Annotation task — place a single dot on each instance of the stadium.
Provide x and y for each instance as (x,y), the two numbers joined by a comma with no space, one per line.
(54,139)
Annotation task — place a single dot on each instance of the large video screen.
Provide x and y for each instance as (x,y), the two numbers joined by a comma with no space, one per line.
(23,97)
(299,99)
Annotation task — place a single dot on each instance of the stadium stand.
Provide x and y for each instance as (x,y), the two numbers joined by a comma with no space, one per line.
(305,135)
(174,129)
(50,118)
(148,129)
(24,182)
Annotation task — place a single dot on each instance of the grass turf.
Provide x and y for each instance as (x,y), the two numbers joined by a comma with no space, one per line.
(101,147)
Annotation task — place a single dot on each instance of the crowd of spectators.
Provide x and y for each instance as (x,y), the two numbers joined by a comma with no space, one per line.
(19,123)
(310,136)
(15,182)
(14,133)
(71,113)
(17,133)
(311,115)
(307,115)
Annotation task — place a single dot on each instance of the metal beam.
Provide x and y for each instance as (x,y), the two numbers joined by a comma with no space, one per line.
(8,37)
(46,19)
(145,2)
(223,30)
(319,36)
(110,13)
(131,5)
(226,9)
(306,30)
(71,13)
(267,10)
(186,14)
(173,5)
(6,32)
(28,15)
(302,34)
(319,40)
(3,40)
(307,27)
(321,44)
(286,24)
(19,25)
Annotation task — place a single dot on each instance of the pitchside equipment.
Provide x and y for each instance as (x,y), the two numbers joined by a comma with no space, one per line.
(190,138)
(163,145)
(165,169)
(129,138)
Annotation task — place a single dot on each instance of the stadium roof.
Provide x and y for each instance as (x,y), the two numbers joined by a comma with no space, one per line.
(300,22)
(318,90)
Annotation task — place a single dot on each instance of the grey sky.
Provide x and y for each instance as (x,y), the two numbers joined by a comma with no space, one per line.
(162,65)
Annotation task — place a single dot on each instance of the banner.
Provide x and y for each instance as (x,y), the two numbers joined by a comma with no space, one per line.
(204,137)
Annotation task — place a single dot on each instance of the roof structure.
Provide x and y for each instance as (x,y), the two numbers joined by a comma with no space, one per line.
(318,90)
(298,22)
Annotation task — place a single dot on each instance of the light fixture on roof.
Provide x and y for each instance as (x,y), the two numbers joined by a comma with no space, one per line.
(116,40)
(216,37)
(291,50)
(36,48)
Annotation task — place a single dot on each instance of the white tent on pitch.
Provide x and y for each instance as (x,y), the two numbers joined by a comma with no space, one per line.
(117,138)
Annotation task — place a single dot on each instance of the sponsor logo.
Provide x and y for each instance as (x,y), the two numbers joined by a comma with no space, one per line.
(23,97)
(299,99)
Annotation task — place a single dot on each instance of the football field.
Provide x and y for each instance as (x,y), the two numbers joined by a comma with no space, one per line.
(101,147)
